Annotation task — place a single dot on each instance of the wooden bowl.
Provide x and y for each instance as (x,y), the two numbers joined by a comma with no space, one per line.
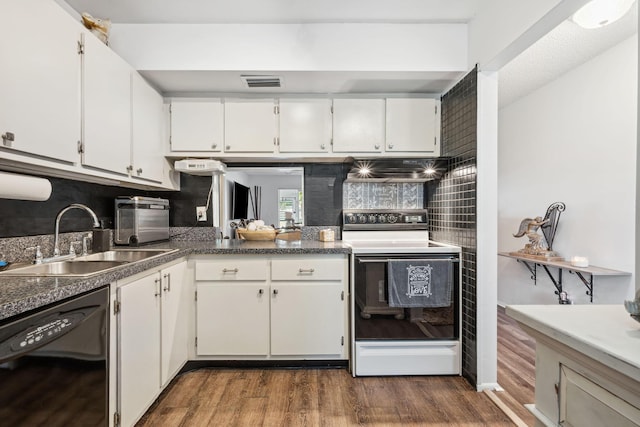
(245,234)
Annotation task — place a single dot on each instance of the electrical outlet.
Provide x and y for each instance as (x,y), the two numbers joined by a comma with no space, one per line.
(201,213)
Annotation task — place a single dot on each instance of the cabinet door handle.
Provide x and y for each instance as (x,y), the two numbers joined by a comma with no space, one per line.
(214,146)
(158,283)
(322,146)
(377,146)
(306,270)
(390,146)
(139,171)
(275,292)
(230,270)
(228,147)
(168,287)
(261,291)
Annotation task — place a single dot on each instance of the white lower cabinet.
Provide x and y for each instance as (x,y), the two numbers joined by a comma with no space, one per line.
(291,307)
(151,338)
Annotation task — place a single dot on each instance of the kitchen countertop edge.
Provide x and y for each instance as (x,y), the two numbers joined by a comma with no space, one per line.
(19,295)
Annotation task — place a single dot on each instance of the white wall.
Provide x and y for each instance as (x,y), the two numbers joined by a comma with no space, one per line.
(295,47)
(270,185)
(574,141)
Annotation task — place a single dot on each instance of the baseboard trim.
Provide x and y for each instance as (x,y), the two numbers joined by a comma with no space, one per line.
(504,408)
(264,364)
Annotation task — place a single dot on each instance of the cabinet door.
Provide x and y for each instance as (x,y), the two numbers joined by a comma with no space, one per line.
(250,126)
(358,125)
(232,319)
(412,125)
(307,318)
(147,133)
(197,126)
(139,347)
(305,125)
(40,79)
(107,108)
(174,321)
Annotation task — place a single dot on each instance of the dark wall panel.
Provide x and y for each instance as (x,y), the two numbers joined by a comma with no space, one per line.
(452,202)
(323,202)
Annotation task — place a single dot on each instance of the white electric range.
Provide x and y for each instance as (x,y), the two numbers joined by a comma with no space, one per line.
(391,337)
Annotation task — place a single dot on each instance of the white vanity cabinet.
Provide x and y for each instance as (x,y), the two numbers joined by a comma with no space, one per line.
(250,126)
(151,337)
(281,306)
(39,80)
(107,108)
(358,125)
(305,125)
(197,125)
(413,125)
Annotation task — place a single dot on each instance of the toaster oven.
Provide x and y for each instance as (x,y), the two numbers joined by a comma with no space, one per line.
(141,220)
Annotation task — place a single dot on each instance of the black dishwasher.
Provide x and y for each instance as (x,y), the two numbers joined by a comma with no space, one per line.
(54,364)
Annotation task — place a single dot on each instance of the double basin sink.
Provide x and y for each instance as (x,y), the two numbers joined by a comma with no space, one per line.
(87,265)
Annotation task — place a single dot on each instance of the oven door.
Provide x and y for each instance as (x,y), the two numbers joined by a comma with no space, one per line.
(376,318)
(53,365)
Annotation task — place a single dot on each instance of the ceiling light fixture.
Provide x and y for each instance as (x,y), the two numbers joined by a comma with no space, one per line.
(598,13)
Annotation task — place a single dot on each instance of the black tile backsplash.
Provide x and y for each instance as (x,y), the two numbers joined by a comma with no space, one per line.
(452,202)
(323,202)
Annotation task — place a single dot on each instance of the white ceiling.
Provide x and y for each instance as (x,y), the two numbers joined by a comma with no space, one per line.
(562,49)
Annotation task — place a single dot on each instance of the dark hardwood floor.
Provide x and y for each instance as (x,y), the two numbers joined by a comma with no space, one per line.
(332,397)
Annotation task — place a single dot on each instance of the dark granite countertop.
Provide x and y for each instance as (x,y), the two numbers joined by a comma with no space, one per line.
(21,294)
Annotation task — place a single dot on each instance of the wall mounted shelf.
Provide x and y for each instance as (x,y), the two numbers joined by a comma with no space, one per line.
(585,274)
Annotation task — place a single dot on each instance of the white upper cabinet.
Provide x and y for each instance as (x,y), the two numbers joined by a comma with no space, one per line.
(413,125)
(147,130)
(107,108)
(305,125)
(358,125)
(197,126)
(250,126)
(39,79)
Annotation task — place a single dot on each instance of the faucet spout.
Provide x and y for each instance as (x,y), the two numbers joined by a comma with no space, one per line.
(94,217)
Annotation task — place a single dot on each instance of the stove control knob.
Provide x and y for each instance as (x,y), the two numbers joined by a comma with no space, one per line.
(393,219)
(372,219)
(351,219)
(382,218)
(362,219)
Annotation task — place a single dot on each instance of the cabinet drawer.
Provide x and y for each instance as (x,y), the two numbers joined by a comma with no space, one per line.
(227,269)
(307,268)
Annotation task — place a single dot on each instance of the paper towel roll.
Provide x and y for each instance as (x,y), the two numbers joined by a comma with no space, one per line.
(23,187)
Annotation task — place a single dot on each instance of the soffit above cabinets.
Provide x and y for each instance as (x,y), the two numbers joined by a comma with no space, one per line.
(278,11)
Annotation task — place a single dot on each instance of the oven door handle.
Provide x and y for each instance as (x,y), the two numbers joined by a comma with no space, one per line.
(372,261)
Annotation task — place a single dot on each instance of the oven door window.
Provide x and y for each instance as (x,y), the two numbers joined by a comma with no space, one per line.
(375,319)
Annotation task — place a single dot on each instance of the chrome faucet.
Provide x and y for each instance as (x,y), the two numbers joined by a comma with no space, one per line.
(96,224)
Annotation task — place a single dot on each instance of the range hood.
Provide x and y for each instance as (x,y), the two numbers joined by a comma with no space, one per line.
(396,170)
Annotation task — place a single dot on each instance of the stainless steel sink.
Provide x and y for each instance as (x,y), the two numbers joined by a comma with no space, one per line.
(64,268)
(88,265)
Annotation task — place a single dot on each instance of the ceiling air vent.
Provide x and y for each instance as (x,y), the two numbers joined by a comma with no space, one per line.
(261,81)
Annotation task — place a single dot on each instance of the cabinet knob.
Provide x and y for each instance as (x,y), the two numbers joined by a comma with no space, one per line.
(322,146)
(139,171)
(261,291)
(129,168)
(8,138)
(390,146)
(377,146)
(228,147)
(214,146)
(275,292)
